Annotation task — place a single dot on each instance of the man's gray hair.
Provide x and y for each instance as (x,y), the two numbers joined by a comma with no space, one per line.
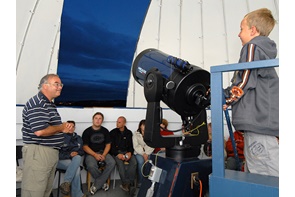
(45,80)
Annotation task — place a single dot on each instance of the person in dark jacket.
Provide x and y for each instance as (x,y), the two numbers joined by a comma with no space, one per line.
(70,157)
(255,109)
(122,151)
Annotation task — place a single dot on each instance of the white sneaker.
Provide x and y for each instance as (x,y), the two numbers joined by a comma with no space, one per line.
(92,189)
(105,187)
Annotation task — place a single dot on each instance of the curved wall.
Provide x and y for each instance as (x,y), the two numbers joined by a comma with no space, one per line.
(203,32)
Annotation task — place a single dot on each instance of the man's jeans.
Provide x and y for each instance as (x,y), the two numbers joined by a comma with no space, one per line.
(99,176)
(127,172)
(72,175)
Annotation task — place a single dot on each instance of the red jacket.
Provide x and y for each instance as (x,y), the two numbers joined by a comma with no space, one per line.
(239,139)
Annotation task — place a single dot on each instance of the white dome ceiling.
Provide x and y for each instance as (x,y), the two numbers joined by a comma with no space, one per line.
(205,33)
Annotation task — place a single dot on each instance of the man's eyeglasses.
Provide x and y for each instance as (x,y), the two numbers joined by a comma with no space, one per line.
(56,84)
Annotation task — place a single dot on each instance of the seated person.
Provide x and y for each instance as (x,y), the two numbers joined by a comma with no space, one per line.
(231,160)
(70,156)
(208,145)
(122,151)
(97,144)
(141,150)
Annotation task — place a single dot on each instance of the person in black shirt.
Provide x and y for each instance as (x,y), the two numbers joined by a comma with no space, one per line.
(122,150)
(97,144)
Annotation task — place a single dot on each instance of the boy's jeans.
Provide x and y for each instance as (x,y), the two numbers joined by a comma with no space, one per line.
(72,175)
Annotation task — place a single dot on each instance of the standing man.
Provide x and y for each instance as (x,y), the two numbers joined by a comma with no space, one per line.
(97,144)
(122,150)
(42,137)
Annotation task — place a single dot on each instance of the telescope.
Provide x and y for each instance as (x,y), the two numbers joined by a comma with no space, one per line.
(183,87)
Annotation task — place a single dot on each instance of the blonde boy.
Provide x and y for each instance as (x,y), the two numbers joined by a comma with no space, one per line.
(256,112)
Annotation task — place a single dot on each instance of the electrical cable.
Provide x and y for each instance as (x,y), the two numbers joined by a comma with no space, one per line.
(156,158)
(187,126)
(201,188)
(189,133)
(200,185)
(143,167)
(150,191)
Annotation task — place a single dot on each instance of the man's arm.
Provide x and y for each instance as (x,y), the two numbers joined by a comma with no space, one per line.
(51,130)
(88,150)
(106,149)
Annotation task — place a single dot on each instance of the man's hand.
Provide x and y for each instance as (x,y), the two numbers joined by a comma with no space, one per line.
(99,157)
(66,127)
(225,106)
(129,156)
(73,154)
(121,157)
(145,156)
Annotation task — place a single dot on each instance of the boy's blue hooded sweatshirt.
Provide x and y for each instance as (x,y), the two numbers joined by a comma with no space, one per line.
(72,143)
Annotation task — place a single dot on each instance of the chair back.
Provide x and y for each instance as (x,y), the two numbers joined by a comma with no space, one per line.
(19,154)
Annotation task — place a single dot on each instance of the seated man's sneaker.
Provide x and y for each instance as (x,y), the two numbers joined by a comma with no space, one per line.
(105,187)
(92,189)
(125,187)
